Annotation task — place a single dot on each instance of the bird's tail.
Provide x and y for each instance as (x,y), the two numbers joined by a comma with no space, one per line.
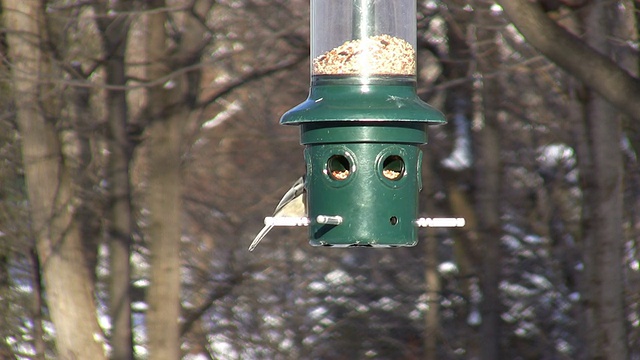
(259,237)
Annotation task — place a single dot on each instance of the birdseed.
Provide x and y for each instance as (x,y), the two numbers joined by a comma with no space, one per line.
(391,174)
(376,55)
(340,174)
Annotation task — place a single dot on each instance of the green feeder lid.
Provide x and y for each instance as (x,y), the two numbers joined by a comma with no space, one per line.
(380,99)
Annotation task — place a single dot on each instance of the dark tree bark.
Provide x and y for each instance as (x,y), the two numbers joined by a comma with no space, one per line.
(114,31)
(37,308)
(584,62)
(432,277)
(601,167)
(488,171)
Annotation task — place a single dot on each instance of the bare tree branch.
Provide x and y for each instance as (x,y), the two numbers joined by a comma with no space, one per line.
(218,292)
(594,69)
(256,74)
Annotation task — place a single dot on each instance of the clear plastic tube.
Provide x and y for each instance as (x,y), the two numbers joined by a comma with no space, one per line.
(363,38)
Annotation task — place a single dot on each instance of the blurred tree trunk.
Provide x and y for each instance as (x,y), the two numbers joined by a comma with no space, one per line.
(89,207)
(58,241)
(488,172)
(599,157)
(164,192)
(168,111)
(459,107)
(602,229)
(433,287)
(602,173)
(487,198)
(456,169)
(114,31)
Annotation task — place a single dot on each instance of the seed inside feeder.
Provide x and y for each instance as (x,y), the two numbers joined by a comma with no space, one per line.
(338,167)
(393,167)
(391,174)
(340,174)
(376,55)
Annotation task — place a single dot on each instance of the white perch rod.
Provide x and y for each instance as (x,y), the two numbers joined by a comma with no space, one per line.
(286,221)
(440,222)
(329,220)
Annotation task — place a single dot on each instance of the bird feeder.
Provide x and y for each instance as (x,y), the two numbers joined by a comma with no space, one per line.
(362,124)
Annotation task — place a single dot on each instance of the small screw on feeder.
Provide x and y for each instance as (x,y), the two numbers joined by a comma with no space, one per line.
(362,125)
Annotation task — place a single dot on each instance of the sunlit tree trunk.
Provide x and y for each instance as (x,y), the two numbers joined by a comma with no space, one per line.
(58,241)
(164,192)
(170,99)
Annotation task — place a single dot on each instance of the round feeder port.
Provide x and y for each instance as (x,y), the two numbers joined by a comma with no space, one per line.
(393,168)
(338,167)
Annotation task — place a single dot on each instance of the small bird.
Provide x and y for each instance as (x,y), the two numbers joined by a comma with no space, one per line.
(291,205)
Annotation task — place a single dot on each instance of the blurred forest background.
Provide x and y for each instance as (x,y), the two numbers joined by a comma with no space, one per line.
(140,151)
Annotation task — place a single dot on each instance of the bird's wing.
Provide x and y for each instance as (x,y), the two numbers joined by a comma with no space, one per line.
(292,194)
(296,190)
(260,236)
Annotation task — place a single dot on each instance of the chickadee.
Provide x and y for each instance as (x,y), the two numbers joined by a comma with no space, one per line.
(291,205)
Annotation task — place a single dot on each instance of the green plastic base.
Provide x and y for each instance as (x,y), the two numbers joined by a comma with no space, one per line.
(376,210)
(363,158)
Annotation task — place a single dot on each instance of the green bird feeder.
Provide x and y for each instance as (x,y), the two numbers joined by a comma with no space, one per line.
(363,124)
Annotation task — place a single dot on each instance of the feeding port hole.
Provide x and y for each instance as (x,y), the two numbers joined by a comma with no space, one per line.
(339,167)
(393,168)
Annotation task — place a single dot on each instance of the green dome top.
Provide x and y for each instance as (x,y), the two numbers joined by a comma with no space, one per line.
(382,99)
